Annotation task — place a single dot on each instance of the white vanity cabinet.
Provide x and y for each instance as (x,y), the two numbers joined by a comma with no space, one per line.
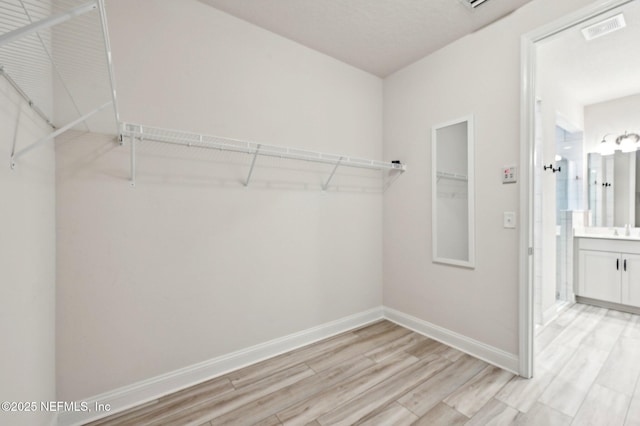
(631,279)
(599,276)
(609,270)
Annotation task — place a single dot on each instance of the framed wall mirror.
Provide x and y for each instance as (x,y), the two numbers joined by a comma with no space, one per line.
(614,182)
(453,193)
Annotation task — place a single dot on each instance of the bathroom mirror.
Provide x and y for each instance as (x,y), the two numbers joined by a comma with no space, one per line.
(453,192)
(614,181)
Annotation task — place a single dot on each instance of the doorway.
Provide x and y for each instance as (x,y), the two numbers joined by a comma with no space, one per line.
(555,191)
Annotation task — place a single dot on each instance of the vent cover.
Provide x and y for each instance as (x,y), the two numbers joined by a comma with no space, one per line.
(605,27)
(473,3)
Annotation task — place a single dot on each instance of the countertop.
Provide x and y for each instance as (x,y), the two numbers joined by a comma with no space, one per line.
(607,233)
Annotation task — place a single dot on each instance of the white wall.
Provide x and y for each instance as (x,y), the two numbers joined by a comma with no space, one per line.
(555,102)
(614,116)
(27,262)
(478,74)
(190,265)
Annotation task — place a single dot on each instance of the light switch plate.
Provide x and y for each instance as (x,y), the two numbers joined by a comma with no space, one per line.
(509,220)
(509,174)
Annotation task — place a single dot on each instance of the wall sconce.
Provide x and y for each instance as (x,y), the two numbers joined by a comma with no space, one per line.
(606,148)
(628,142)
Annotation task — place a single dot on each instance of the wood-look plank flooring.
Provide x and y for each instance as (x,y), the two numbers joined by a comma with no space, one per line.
(587,370)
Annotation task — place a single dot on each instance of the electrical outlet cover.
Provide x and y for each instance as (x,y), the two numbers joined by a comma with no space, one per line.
(509,174)
(509,220)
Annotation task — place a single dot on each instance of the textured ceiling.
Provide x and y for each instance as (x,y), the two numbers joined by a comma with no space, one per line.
(598,70)
(378,36)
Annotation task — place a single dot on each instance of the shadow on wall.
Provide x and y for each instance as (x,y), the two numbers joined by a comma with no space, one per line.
(83,154)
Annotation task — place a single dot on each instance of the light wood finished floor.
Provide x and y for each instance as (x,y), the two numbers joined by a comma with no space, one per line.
(587,369)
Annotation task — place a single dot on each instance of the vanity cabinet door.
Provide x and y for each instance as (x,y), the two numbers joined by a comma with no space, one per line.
(600,275)
(631,279)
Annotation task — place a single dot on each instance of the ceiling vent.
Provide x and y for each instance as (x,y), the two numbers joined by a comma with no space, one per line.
(473,3)
(605,27)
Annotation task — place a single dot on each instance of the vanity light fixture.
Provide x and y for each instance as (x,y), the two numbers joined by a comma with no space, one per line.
(606,148)
(628,142)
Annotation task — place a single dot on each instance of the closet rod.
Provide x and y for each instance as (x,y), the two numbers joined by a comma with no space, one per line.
(154,134)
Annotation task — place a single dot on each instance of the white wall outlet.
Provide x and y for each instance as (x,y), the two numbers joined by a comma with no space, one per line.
(509,220)
(509,174)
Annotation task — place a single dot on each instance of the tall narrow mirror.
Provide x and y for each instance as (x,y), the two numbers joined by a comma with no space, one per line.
(453,192)
(613,185)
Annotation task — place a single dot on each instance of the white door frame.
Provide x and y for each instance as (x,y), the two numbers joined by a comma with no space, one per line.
(527,142)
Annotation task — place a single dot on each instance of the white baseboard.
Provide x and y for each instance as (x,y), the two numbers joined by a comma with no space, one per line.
(549,314)
(490,354)
(148,390)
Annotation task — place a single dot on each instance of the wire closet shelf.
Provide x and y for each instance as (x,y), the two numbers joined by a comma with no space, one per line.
(452,176)
(61,44)
(138,132)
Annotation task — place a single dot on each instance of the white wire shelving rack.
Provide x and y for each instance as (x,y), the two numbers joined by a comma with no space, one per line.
(452,176)
(67,41)
(138,132)
(61,43)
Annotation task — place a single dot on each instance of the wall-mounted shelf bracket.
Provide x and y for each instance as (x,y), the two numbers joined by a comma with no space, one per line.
(253,163)
(53,135)
(133,162)
(133,158)
(333,172)
(26,97)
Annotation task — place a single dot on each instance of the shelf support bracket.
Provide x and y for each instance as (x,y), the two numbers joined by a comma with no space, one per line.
(326,185)
(53,135)
(26,97)
(253,163)
(47,22)
(133,161)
